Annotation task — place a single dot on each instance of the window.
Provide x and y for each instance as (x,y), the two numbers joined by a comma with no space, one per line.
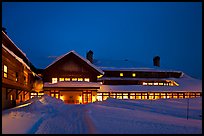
(54,80)
(155,83)
(133,75)
(11,97)
(16,76)
(61,79)
(161,84)
(86,79)
(5,71)
(121,74)
(67,79)
(74,79)
(144,83)
(80,79)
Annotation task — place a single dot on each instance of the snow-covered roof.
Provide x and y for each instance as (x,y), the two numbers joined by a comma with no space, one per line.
(85,60)
(15,56)
(14,44)
(72,84)
(20,60)
(186,83)
(128,65)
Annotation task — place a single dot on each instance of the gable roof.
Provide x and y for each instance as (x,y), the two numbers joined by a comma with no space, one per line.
(83,59)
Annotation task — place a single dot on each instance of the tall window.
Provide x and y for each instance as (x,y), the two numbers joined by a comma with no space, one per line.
(54,80)
(16,76)
(5,71)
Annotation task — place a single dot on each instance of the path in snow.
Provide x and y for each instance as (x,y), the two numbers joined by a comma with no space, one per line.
(70,119)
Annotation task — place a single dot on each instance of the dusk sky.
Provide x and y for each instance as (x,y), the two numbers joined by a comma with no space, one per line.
(112,30)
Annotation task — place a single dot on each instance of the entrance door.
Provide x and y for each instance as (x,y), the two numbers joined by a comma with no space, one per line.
(86,97)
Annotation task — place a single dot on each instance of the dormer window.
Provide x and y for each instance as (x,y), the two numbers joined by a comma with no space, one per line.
(54,80)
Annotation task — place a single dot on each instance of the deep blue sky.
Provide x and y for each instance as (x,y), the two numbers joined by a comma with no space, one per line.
(113,30)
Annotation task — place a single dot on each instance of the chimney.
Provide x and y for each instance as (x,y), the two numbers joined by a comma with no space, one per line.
(156,61)
(89,56)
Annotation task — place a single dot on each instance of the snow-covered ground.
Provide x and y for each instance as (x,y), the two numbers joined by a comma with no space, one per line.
(47,115)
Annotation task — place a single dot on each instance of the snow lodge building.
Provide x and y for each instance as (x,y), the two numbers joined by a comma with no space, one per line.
(79,80)
(18,76)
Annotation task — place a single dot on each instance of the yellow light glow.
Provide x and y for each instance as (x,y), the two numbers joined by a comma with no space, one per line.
(121,74)
(5,69)
(99,76)
(54,80)
(61,79)
(80,99)
(133,74)
(62,97)
(86,79)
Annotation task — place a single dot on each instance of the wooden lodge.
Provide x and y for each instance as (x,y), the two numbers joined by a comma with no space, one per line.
(78,80)
(72,78)
(18,74)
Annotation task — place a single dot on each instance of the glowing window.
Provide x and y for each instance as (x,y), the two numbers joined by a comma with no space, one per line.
(121,74)
(61,79)
(11,97)
(150,83)
(151,97)
(161,84)
(54,80)
(144,83)
(125,97)
(67,79)
(74,79)
(156,83)
(99,76)
(133,75)
(86,79)
(80,79)
(16,76)
(5,71)
(138,97)
(132,97)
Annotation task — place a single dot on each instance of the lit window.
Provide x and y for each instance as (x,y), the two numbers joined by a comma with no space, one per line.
(161,84)
(155,83)
(144,83)
(86,79)
(5,71)
(61,79)
(16,76)
(11,97)
(121,74)
(74,79)
(54,80)
(67,79)
(133,75)
(150,83)
(80,79)
(99,76)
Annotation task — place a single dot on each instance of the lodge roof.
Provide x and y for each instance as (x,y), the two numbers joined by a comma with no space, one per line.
(76,54)
(186,83)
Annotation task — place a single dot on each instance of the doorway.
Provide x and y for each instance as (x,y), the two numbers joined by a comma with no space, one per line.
(86,97)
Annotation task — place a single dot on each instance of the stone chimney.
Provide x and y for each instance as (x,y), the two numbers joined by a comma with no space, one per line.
(89,56)
(156,61)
